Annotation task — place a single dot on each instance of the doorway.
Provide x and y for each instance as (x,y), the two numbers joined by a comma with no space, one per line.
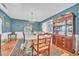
(0,33)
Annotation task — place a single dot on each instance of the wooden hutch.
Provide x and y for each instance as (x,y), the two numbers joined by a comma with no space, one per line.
(64,32)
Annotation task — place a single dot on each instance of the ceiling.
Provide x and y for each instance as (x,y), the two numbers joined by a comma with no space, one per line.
(34,11)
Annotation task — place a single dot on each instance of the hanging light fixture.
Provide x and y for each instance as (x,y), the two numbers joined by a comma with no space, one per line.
(32,17)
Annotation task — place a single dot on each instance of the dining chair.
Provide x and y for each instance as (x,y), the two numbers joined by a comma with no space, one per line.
(42,44)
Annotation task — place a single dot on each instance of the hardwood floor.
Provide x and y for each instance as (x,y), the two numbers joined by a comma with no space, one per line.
(7,48)
(64,52)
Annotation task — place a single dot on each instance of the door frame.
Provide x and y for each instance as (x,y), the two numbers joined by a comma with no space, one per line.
(1,33)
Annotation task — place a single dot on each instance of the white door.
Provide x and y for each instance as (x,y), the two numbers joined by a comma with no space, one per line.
(0,33)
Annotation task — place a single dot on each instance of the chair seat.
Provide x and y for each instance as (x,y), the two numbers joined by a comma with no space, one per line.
(40,41)
(42,47)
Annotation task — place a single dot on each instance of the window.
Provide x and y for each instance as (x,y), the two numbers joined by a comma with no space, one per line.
(44,27)
(47,26)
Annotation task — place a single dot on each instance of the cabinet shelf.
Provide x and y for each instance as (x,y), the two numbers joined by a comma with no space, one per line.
(63,28)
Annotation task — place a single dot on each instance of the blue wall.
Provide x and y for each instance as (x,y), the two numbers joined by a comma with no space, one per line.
(6,18)
(77,21)
(37,26)
(72,9)
(18,25)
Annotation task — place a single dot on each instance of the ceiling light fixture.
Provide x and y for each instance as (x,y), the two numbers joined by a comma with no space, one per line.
(32,17)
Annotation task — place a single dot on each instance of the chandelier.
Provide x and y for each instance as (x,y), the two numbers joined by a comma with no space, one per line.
(32,17)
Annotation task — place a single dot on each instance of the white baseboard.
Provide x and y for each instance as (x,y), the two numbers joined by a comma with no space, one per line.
(19,35)
(5,35)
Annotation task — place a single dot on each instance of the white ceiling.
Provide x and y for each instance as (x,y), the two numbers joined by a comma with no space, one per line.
(40,11)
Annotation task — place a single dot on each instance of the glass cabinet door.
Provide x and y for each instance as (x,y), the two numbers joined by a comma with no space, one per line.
(69,26)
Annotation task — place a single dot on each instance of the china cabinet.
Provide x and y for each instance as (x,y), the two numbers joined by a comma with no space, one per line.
(64,32)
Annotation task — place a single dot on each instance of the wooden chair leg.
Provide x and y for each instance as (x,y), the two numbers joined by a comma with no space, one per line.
(37,54)
(32,51)
(48,52)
